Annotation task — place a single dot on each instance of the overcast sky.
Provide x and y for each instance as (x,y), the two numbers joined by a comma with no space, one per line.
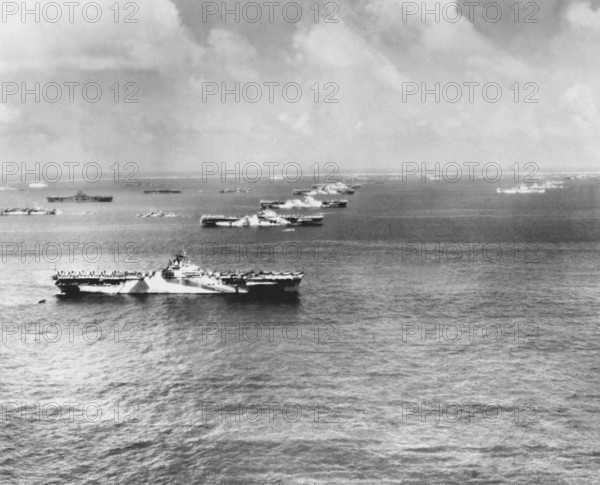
(171,53)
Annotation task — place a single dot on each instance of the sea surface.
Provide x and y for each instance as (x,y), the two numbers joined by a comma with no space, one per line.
(444,333)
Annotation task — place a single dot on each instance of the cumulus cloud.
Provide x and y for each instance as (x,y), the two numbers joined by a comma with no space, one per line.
(366,57)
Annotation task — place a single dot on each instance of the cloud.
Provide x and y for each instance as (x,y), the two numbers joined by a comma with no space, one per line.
(155,42)
(366,58)
(8,115)
(232,55)
(581,103)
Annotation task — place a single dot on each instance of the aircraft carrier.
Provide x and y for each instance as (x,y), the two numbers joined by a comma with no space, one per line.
(180,277)
(81,197)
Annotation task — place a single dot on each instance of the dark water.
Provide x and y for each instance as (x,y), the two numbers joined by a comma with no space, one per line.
(476,362)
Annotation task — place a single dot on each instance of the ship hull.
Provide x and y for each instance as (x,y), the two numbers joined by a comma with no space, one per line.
(157,285)
(256,221)
(180,277)
(300,204)
(77,200)
(10,213)
(335,205)
(162,191)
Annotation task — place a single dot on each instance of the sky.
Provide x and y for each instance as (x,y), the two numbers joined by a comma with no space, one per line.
(370,61)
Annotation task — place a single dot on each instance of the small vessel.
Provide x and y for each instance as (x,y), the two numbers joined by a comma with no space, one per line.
(307,202)
(238,190)
(326,189)
(523,189)
(81,197)
(334,204)
(38,185)
(336,188)
(265,218)
(532,189)
(162,191)
(304,220)
(180,277)
(28,212)
(214,221)
(158,214)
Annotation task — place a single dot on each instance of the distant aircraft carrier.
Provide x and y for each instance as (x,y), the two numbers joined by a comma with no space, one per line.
(81,197)
(265,218)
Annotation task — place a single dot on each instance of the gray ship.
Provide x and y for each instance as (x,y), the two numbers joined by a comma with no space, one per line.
(180,277)
(81,197)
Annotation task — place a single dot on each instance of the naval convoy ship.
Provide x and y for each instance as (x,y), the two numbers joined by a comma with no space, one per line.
(307,202)
(180,277)
(162,191)
(265,218)
(81,197)
(28,212)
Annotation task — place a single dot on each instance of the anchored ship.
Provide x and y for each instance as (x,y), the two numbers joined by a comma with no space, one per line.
(327,189)
(265,218)
(238,190)
(162,191)
(307,203)
(159,214)
(533,189)
(180,277)
(337,188)
(81,197)
(28,212)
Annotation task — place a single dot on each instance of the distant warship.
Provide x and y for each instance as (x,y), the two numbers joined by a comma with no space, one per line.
(307,202)
(28,212)
(265,218)
(533,189)
(238,190)
(81,197)
(328,189)
(162,191)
